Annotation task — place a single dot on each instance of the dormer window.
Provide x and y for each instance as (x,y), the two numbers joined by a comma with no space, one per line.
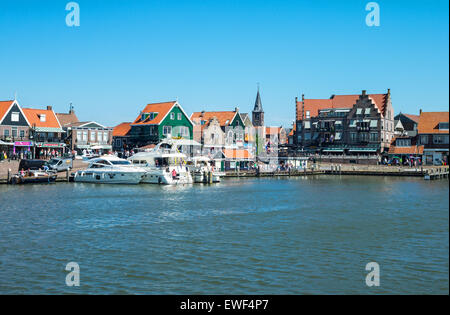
(443,126)
(144,116)
(42,117)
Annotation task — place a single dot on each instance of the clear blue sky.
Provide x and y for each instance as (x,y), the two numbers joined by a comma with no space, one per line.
(211,53)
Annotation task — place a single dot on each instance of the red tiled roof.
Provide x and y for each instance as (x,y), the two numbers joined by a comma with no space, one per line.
(414,149)
(414,118)
(273,130)
(338,101)
(224,118)
(4,106)
(121,129)
(67,119)
(33,117)
(161,108)
(237,154)
(429,122)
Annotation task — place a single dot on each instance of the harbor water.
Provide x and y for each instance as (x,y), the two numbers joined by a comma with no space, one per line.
(306,235)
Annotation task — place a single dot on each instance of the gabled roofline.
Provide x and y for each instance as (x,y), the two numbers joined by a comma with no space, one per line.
(164,117)
(90,122)
(20,108)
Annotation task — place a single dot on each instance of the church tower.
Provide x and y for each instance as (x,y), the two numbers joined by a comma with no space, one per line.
(258,112)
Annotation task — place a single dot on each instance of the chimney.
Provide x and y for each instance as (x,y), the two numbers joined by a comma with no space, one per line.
(202,114)
(236,109)
(420,111)
(364,92)
(389,92)
(49,108)
(303,106)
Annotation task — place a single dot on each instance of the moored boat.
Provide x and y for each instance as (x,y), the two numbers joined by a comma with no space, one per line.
(110,170)
(163,165)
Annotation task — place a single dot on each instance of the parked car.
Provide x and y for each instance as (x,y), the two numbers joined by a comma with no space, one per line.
(32,165)
(60,164)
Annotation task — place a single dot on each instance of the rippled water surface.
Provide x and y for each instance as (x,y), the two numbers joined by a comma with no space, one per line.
(262,236)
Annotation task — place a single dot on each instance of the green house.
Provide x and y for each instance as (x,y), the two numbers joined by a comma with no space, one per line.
(159,121)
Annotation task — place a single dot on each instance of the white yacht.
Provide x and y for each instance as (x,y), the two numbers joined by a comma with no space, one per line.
(163,165)
(203,170)
(110,170)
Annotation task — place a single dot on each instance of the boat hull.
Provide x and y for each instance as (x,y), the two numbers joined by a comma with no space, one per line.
(130,178)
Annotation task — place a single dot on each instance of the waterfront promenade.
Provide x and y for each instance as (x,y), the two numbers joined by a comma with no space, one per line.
(317,169)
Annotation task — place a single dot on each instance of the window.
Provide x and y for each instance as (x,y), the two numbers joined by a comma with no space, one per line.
(353,136)
(15,116)
(172,116)
(352,123)
(14,132)
(440,139)
(374,136)
(42,117)
(167,130)
(105,137)
(403,142)
(79,139)
(364,136)
(179,116)
(443,126)
(118,142)
(367,111)
(359,111)
(424,139)
(307,136)
(307,125)
(93,134)
(308,114)
(22,133)
(338,136)
(185,132)
(6,132)
(85,136)
(373,123)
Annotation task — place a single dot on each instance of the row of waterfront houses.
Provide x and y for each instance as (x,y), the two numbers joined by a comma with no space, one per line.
(41,133)
(339,126)
(365,124)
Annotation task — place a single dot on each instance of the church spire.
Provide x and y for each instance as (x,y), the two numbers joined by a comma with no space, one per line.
(258,105)
(258,112)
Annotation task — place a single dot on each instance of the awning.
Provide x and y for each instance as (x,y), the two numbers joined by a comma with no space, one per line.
(48,129)
(50,145)
(363,150)
(6,143)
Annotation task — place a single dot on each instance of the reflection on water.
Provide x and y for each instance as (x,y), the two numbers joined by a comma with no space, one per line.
(264,236)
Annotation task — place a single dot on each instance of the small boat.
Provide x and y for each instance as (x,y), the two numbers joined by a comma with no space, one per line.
(110,170)
(203,170)
(33,177)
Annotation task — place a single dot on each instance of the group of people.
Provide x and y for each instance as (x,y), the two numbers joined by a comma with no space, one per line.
(48,154)
(15,155)
(403,161)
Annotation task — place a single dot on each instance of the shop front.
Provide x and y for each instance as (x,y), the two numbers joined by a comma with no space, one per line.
(46,150)
(22,150)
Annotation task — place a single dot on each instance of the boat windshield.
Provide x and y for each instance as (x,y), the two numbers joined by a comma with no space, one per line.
(120,162)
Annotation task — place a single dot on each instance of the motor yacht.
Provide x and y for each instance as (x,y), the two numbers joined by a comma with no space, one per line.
(110,170)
